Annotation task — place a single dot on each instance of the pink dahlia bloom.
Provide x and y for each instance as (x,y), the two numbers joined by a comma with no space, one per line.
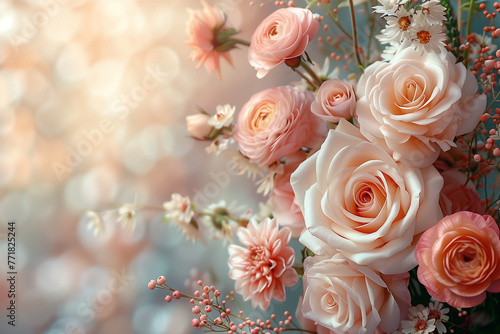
(459,259)
(203,28)
(263,269)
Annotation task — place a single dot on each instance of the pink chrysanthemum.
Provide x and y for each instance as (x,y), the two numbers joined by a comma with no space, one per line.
(204,28)
(263,269)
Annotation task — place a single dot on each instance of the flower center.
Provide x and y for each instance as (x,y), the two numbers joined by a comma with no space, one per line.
(183,207)
(404,23)
(421,324)
(424,36)
(220,115)
(434,314)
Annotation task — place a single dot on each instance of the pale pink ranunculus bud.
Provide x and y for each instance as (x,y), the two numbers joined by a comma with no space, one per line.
(198,127)
(277,122)
(335,99)
(283,35)
(263,268)
(459,259)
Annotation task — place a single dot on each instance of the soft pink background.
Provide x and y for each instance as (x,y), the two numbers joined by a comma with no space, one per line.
(65,66)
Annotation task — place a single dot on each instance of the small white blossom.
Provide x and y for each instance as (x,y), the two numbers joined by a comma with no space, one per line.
(216,219)
(94,221)
(428,38)
(220,145)
(419,322)
(179,209)
(126,216)
(223,117)
(241,165)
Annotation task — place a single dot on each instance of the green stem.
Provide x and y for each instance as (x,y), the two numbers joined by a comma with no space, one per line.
(240,41)
(310,4)
(311,73)
(355,32)
(469,28)
(304,77)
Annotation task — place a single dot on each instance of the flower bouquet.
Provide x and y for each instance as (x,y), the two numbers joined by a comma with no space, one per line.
(382,162)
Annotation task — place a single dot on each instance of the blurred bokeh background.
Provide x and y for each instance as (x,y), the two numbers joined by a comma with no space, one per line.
(93,100)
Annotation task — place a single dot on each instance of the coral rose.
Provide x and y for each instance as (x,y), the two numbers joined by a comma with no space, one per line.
(282,200)
(456,196)
(348,298)
(459,259)
(277,122)
(358,201)
(335,99)
(417,104)
(283,35)
(264,268)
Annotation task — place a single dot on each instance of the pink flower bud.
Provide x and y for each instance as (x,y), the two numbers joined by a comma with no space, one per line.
(161,280)
(198,127)
(151,285)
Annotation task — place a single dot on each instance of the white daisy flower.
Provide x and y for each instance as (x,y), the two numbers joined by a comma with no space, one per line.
(389,7)
(179,209)
(418,326)
(433,12)
(397,28)
(439,314)
(428,38)
(223,117)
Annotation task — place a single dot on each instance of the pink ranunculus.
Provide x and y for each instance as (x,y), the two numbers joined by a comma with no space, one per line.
(335,99)
(417,103)
(277,122)
(263,269)
(203,28)
(198,127)
(283,35)
(456,196)
(358,201)
(459,259)
(348,298)
(282,200)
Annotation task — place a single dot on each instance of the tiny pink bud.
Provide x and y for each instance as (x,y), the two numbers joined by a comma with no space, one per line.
(196,323)
(161,280)
(176,294)
(196,309)
(152,284)
(200,282)
(198,127)
(208,308)
(168,298)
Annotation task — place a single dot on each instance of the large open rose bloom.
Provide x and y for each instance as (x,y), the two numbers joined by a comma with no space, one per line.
(263,269)
(283,35)
(348,298)
(459,259)
(417,103)
(202,28)
(277,122)
(358,201)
